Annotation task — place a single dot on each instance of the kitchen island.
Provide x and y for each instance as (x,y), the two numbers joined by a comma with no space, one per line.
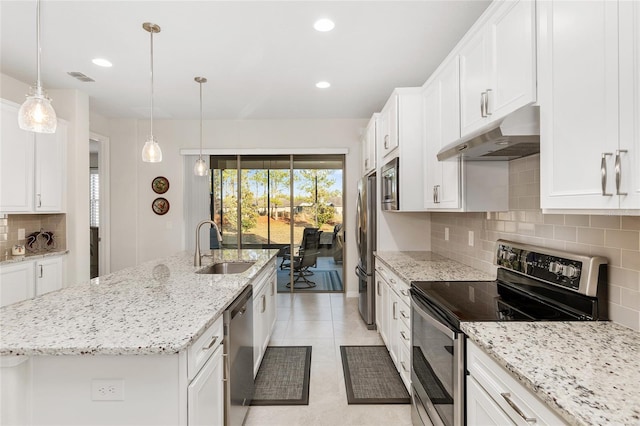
(99,330)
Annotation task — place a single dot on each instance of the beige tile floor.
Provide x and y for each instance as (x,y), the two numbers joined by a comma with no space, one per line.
(325,321)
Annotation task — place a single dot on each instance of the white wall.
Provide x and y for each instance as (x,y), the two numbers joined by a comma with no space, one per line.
(137,234)
(72,106)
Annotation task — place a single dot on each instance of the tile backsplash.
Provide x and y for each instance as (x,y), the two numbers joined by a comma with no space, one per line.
(616,238)
(10,223)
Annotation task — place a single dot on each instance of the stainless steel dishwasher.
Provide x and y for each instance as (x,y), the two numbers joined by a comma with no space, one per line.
(238,356)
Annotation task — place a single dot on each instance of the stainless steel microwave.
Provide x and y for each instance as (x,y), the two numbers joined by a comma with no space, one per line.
(390,185)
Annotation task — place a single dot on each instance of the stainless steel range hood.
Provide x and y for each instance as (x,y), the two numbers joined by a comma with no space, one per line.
(517,135)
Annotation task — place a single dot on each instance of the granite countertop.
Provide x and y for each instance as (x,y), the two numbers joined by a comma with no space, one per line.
(32,256)
(157,307)
(429,266)
(588,372)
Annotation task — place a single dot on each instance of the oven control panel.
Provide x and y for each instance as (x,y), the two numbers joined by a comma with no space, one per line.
(571,271)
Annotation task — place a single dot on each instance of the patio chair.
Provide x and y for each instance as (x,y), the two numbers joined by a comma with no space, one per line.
(307,259)
(286,251)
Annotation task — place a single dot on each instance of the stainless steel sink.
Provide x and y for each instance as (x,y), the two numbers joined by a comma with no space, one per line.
(225,268)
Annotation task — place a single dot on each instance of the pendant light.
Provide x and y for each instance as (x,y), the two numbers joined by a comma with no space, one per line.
(200,168)
(36,113)
(151,152)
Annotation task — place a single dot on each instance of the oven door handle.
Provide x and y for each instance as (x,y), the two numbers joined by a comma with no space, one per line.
(434,322)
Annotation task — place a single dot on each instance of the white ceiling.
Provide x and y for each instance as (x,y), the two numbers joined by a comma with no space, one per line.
(262,58)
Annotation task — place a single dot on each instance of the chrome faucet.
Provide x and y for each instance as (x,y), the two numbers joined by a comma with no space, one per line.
(197,258)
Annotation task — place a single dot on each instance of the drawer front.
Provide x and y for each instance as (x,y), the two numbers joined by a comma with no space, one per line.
(404,331)
(404,366)
(203,348)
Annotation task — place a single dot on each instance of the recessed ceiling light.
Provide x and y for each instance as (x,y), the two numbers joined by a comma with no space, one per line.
(102,62)
(323,84)
(324,25)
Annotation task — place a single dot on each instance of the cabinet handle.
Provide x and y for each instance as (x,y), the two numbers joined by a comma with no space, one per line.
(404,367)
(404,335)
(378,288)
(603,173)
(404,314)
(437,191)
(39,200)
(507,397)
(386,141)
(486,102)
(434,194)
(264,303)
(395,308)
(619,171)
(41,272)
(404,292)
(483,114)
(211,343)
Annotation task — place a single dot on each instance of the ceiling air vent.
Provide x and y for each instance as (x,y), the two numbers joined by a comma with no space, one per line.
(81,76)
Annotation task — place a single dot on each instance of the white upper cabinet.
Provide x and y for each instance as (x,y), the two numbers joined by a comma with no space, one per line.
(16,163)
(442,126)
(498,65)
(589,81)
(388,136)
(31,166)
(369,146)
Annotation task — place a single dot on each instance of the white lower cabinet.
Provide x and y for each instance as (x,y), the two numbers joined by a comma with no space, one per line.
(494,397)
(26,279)
(205,394)
(16,282)
(264,312)
(48,275)
(393,318)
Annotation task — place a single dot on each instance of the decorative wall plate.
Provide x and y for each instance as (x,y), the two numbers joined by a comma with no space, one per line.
(160,185)
(160,206)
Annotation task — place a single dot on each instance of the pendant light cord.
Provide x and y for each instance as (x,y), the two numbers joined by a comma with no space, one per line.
(151,32)
(200,121)
(38,84)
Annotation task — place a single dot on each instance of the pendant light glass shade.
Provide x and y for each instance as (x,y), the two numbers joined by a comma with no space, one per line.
(200,168)
(36,113)
(151,152)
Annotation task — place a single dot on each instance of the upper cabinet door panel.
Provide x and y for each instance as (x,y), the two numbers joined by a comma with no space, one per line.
(578,86)
(16,163)
(49,157)
(629,13)
(513,47)
(474,81)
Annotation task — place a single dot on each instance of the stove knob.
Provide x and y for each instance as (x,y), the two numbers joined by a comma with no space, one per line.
(555,268)
(571,271)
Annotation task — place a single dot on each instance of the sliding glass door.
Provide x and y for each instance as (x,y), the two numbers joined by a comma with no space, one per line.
(290,203)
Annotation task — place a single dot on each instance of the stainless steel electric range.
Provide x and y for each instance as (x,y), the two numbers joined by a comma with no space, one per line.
(533,284)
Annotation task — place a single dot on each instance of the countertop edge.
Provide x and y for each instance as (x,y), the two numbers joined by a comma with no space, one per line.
(33,256)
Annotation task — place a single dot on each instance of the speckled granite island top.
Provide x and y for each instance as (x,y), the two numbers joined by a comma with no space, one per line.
(428,266)
(588,372)
(157,307)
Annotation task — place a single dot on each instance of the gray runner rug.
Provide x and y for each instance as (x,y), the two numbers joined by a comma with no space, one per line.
(371,377)
(283,376)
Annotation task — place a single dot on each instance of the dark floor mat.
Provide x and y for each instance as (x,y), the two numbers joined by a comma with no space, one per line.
(371,377)
(283,377)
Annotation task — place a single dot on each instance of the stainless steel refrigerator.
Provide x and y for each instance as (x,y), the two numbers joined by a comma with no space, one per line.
(366,242)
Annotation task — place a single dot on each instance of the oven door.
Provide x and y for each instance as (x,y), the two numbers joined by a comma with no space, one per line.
(437,367)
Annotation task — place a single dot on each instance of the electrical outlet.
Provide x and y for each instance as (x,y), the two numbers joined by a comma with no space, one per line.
(21,233)
(472,295)
(107,390)
(446,234)
(471,238)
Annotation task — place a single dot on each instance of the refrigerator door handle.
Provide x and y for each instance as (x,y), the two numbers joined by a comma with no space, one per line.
(359,221)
